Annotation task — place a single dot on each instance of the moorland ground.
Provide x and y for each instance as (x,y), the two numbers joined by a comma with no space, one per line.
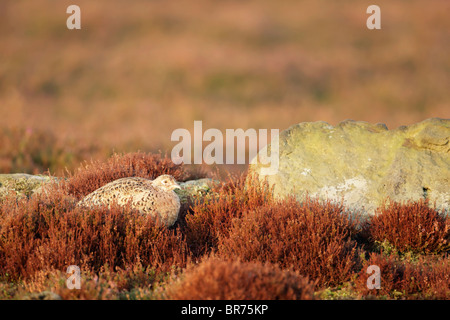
(138,70)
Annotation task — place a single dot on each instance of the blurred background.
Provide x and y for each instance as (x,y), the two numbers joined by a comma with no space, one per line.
(139,69)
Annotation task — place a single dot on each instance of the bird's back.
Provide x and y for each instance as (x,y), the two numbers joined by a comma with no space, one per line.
(119,190)
(142,195)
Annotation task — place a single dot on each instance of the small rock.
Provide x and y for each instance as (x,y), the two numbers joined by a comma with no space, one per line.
(194,188)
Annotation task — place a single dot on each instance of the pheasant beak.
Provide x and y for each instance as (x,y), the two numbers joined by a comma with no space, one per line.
(176,187)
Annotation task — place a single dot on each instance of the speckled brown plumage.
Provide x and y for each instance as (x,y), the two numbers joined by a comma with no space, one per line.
(153,197)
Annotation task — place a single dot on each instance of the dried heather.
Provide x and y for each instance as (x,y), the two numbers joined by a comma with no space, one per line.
(47,232)
(130,283)
(212,216)
(215,279)
(428,277)
(410,227)
(313,238)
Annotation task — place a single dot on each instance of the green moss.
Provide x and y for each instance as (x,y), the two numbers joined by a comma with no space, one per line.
(341,292)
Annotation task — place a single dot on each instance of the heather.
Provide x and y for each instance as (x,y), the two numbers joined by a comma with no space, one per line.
(216,279)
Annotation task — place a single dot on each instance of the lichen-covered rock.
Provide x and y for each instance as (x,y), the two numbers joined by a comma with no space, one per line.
(22,184)
(364,164)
